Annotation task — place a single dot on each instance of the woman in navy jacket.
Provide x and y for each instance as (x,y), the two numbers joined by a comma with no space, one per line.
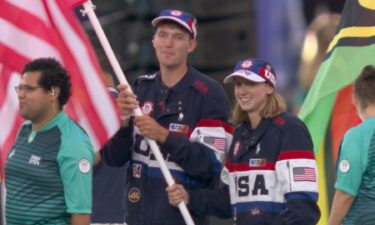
(270,174)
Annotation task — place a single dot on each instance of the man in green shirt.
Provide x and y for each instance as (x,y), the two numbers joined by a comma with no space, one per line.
(49,169)
(354,200)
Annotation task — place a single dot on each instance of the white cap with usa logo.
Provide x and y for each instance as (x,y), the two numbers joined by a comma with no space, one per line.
(256,70)
(186,20)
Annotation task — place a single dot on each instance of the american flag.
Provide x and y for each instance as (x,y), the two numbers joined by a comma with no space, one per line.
(48,28)
(304,174)
(216,142)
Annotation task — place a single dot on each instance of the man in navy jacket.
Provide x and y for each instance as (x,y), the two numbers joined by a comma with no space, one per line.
(185,112)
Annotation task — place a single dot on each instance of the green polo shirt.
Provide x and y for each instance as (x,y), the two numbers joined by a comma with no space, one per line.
(356,172)
(49,173)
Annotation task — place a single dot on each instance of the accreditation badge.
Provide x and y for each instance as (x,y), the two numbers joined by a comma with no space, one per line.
(84,165)
(344,166)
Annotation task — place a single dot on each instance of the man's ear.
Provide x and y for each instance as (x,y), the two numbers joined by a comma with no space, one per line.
(193,45)
(153,40)
(355,101)
(55,92)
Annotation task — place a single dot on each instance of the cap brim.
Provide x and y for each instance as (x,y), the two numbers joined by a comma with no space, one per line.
(182,23)
(244,74)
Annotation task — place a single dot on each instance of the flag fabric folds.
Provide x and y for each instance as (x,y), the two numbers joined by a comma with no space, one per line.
(328,102)
(48,28)
(75,3)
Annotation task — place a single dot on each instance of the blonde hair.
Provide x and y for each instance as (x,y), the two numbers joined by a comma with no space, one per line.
(275,105)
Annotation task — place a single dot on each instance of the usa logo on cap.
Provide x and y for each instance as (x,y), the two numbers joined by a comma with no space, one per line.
(246,64)
(176,13)
(267,73)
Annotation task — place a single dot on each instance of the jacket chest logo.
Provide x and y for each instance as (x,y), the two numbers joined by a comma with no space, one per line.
(257,150)
(12,153)
(137,170)
(179,128)
(180,116)
(147,108)
(134,195)
(236,148)
(35,160)
(262,162)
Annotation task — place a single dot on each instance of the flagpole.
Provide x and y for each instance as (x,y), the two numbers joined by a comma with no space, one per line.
(2,201)
(89,10)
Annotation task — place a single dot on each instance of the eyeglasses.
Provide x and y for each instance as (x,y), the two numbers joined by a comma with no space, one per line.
(25,89)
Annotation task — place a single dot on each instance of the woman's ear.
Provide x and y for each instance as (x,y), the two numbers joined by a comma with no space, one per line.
(270,89)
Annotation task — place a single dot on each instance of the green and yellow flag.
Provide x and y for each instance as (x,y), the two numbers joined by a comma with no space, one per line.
(328,109)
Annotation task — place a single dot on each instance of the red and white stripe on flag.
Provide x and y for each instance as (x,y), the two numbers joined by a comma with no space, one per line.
(48,28)
(75,3)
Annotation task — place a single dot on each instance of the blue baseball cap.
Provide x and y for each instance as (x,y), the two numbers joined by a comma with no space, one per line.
(184,19)
(256,70)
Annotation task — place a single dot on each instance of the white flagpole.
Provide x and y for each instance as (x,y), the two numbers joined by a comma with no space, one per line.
(2,199)
(89,10)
